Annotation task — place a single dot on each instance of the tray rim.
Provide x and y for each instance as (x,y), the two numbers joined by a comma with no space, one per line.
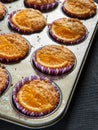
(69,99)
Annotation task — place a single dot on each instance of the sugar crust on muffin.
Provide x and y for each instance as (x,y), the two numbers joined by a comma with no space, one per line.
(2,11)
(27,21)
(4,79)
(53,59)
(81,9)
(13,47)
(68,30)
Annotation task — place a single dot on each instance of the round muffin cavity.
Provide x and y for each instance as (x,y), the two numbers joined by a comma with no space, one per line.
(13,47)
(42,5)
(4,79)
(2,11)
(53,60)
(81,9)
(36,96)
(27,21)
(68,31)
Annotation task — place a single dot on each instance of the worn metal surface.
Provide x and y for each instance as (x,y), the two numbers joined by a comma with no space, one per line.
(66,83)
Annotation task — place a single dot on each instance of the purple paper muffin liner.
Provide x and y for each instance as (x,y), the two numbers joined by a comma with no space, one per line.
(25,111)
(74,15)
(50,71)
(8,80)
(46,7)
(7,1)
(3,60)
(59,40)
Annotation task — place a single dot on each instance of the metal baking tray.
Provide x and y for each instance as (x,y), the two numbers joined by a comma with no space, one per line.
(67,83)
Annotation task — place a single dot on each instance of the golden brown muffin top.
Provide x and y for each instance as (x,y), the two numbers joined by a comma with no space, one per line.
(3,79)
(80,7)
(29,19)
(2,10)
(54,56)
(68,29)
(13,46)
(38,96)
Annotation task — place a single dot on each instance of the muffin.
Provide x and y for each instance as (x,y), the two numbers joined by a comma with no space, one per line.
(42,5)
(53,60)
(36,96)
(4,79)
(81,9)
(68,31)
(13,47)
(2,11)
(27,21)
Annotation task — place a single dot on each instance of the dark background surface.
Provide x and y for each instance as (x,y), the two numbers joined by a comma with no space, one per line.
(83,110)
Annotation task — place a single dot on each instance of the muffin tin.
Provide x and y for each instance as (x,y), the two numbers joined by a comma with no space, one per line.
(66,83)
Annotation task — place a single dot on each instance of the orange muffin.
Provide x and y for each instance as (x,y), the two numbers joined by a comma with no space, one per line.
(68,31)
(42,5)
(53,60)
(2,11)
(36,96)
(27,21)
(81,9)
(4,79)
(13,47)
